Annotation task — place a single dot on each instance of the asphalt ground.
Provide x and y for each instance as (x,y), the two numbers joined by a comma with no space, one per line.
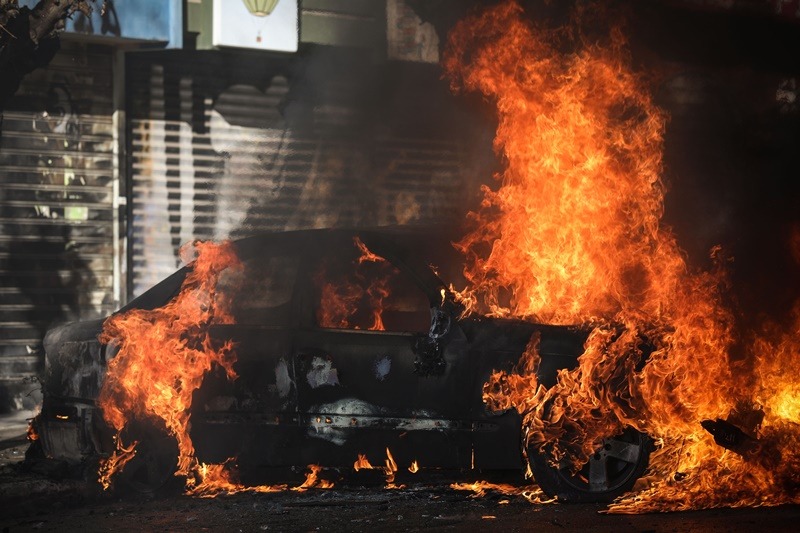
(417,508)
(36,502)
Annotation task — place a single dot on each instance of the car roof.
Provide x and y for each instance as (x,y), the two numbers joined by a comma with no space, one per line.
(403,247)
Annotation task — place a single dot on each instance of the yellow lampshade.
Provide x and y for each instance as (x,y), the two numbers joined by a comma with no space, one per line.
(260,8)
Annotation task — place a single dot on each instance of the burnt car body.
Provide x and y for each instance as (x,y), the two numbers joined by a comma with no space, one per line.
(314,393)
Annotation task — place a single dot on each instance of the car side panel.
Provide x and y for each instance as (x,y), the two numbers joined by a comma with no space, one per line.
(360,393)
(256,414)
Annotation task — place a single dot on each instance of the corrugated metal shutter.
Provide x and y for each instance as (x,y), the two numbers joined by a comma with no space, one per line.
(56,199)
(225,144)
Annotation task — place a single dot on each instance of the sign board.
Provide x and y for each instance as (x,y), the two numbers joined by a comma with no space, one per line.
(245,24)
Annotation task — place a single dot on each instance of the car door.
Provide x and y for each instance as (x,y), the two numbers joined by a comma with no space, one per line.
(355,362)
(254,416)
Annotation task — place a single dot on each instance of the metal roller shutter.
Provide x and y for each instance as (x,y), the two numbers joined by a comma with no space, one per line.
(224,144)
(57,179)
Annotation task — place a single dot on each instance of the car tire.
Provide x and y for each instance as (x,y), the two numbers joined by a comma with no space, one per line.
(153,467)
(611,472)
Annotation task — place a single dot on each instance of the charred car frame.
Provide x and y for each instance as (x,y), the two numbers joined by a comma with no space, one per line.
(312,389)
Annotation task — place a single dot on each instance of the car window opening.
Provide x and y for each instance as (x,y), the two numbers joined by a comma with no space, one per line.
(368,295)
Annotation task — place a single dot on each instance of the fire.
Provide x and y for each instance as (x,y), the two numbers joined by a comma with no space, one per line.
(216,479)
(572,234)
(164,355)
(366,255)
(342,299)
(30,433)
(786,403)
(213,480)
(362,463)
(389,468)
(116,462)
(413,467)
(313,480)
(577,237)
(532,493)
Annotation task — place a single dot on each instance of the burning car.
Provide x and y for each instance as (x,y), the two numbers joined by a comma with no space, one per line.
(345,343)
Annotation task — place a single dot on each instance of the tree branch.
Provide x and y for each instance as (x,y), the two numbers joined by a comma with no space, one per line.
(29,38)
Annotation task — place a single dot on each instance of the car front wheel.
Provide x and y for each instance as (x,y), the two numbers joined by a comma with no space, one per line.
(155,462)
(609,473)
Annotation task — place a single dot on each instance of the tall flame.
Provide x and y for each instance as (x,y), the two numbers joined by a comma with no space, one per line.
(573,235)
(582,140)
(163,356)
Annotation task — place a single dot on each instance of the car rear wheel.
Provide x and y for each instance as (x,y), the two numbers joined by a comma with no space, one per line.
(609,473)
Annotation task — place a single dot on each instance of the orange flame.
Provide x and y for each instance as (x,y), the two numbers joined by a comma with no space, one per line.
(216,479)
(532,493)
(313,480)
(164,355)
(573,235)
(362,463)
(342,300)
(116,462)
(30,433)
(366,254)
(582,140)
(390,470)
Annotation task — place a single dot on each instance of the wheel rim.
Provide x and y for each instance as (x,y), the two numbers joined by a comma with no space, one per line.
(612,465)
